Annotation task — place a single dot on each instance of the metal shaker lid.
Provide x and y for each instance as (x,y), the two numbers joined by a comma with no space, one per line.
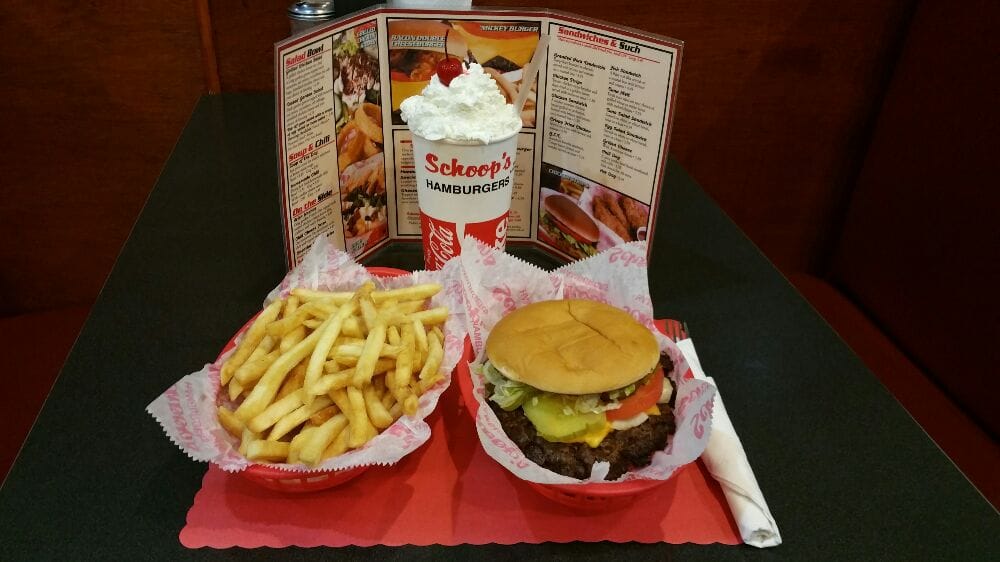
(311,11)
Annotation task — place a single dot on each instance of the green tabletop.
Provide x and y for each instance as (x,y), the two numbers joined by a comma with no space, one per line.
(847,473)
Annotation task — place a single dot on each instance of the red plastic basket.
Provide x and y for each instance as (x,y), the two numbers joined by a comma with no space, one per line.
(282,480)
(602,496)
(297,482)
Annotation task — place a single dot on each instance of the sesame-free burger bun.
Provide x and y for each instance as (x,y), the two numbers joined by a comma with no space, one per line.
(572,347)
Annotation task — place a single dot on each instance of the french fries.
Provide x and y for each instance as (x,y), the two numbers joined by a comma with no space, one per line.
(293,382)
(312,451)
(277,410)
(434,356)
(296,417)
(377,412)
(231,423)
(320,373)
(361,427)
(250,341)
(259,450)
(330,331)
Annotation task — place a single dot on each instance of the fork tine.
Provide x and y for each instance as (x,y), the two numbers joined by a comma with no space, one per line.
(672,329)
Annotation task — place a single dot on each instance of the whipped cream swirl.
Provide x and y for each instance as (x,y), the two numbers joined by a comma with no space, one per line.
(470,109)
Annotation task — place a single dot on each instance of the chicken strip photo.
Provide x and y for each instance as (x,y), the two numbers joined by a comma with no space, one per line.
(605,215)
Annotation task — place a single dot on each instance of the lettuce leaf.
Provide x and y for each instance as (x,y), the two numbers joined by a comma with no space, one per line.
(348,46)
(508,394)
(585,250)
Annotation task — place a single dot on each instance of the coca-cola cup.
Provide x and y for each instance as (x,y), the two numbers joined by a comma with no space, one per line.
(463,188)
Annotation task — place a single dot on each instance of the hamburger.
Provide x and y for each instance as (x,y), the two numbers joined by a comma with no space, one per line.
(504,46)
(570,229)
(575,382)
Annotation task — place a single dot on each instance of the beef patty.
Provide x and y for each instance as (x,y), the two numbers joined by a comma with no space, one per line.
(624,449)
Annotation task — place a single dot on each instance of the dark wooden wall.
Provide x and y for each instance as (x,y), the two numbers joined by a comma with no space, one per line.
(775,105)
(92,97)
(245,34)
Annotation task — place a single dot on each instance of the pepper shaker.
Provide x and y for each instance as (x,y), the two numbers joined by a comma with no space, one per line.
(303,15)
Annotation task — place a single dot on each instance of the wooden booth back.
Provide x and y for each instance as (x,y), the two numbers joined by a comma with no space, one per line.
(775,102)
(920,251)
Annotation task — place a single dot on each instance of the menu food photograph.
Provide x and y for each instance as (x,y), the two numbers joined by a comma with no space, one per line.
(502,48)
(358,125)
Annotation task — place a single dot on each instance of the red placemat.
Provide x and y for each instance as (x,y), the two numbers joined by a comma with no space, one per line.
(442,494)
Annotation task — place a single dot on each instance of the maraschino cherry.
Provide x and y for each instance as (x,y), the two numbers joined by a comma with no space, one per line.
(448,68)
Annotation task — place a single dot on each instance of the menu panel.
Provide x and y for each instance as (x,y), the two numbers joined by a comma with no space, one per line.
(407,210)
(519,220)
(606,101)
(309,165)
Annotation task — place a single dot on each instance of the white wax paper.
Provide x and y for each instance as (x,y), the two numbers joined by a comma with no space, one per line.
(187,410)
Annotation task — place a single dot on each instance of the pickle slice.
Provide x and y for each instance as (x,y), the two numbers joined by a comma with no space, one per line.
(553,424)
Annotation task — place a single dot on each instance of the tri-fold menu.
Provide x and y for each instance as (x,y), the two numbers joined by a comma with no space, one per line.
(590,156)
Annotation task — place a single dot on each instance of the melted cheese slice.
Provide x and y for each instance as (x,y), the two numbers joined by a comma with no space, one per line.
(594,436)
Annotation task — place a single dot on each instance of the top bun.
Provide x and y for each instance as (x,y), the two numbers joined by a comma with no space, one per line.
(572,347)
(571,218)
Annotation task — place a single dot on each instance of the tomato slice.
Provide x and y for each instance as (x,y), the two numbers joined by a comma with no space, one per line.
(643,397)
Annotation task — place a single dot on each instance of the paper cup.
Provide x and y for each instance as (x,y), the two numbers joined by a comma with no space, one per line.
(463,189)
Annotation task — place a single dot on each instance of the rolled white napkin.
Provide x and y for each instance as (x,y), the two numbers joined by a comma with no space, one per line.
(727,462)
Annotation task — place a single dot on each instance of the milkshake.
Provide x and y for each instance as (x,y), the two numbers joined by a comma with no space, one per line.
(464,150)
